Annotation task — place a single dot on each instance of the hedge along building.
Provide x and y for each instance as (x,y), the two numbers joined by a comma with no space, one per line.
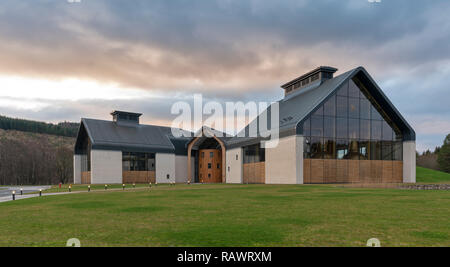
(332,130)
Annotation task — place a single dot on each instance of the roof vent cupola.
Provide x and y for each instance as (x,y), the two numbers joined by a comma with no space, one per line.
(125,117)
(308,80)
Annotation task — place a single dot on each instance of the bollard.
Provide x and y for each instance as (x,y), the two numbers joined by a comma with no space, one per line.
(134,185)
(189,181)
(40,192)
(106,187)
(89,188)
(14,195)
(150,184)
(70,188)
(21,191)
(123,187)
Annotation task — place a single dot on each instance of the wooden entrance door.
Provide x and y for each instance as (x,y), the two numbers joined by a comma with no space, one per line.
(210,166)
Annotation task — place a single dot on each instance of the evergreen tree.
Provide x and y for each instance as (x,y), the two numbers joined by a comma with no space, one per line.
(444,155)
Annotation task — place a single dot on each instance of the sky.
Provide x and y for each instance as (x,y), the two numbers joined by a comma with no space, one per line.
(61,61)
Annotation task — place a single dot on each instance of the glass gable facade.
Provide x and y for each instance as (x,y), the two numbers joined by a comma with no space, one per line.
(349,125)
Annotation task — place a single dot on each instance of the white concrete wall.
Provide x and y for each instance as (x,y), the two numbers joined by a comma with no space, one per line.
(234,171)
(106,167)
(77,169)
(181,168)
(409,162)
(284,163)
(165,165)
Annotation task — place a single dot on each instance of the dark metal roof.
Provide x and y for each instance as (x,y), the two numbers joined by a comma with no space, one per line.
(111,135)
(296,107)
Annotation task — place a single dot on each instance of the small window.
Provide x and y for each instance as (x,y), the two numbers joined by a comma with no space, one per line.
(211,154)
(168,176)
(209,175)
(237,157)
(209,165)
(228,168)
(203,154)
(218,165)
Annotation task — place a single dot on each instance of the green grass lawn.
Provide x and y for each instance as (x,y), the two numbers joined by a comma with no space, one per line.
(231,215)
(424,175)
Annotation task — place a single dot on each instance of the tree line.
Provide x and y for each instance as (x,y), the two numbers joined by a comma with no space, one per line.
(439,159)
(68,129)
(34,159)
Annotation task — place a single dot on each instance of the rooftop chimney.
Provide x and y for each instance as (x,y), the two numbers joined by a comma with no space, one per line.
(126,117)
(311,79)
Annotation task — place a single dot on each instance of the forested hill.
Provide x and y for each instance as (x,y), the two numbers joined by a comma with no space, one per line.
(68,129)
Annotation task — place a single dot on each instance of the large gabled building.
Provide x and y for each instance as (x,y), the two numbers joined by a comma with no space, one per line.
(339,129)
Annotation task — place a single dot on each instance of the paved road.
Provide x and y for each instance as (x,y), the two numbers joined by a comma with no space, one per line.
(6,192)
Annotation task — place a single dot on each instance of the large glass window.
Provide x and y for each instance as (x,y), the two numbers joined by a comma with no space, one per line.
(254,153)
(342,106)
(342,148)
(317,126)
(353,108)
(329,149)
(349,126)
(132,161)
(329,127)
(316,147)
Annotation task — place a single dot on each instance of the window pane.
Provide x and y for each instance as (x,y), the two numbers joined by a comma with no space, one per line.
(364,109)
(329,127)
(375,150)
(375,114)
(262,154)
(353,107)
(386,150)
(341,148)
(341,128)
(318,112)
(387,132)
(353,150)
(307,127)
(364,150)
(329,108)
(353,89)
(353,128)
(343,91)
(342,106)
(364,131)
(316,148)
(307,148)
(376,130)
(317,126)
(397,151)
(211,154)
(329,150)
(151,162)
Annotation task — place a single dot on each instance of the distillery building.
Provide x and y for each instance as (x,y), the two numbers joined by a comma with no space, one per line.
(332,129)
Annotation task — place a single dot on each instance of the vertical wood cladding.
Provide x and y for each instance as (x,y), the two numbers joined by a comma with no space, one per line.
(210,165)
(318,171)
(138,177)
(306,171)
(254,173)
(85,177)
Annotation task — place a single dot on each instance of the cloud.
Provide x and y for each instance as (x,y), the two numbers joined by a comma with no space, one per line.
(227,49)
